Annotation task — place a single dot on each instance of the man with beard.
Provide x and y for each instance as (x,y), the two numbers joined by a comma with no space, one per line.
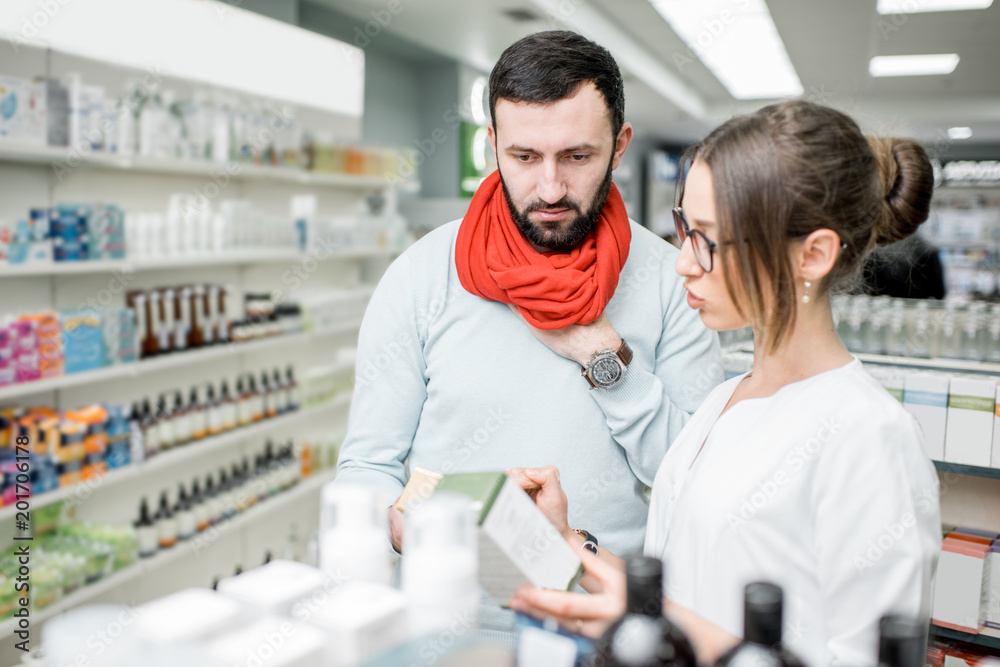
(544,328)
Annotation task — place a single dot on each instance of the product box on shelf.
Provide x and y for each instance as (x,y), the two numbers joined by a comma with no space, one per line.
(22,111)
(958,584)
(83,340)
(926,397)
(995,455)
(971,413)
(991,594)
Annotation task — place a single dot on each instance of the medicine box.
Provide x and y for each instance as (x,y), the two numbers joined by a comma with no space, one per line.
(22,111)
(991,587)
(958,585)
(925,396)
(971,413)
(83,341)
(995,456)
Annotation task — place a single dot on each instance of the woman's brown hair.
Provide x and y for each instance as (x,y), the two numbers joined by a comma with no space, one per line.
(789,169)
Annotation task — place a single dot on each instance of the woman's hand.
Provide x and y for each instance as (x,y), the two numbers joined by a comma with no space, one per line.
(588,615)
(542,484)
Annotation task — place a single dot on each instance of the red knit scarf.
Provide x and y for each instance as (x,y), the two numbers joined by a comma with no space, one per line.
(553,289)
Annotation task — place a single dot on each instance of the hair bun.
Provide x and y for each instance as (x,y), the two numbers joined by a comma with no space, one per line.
(907,181)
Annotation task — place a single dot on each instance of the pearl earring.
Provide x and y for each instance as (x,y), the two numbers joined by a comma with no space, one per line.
(805,297)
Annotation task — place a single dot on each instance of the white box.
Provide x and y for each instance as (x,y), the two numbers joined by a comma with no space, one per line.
(925,396)
(958,585)
(271,641)
(22,111)
(995,457)
(991,587)
(276,588)
(192,614)
(361,620)
(971,412)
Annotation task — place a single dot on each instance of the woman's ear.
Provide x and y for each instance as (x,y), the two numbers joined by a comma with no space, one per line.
(814,257)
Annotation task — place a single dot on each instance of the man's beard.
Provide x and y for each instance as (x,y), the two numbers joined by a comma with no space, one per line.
(566,238)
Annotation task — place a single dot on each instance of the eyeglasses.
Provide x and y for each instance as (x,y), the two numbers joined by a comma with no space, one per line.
(704,249)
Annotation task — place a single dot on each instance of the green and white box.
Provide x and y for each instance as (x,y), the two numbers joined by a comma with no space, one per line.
(925,396)
(971,408)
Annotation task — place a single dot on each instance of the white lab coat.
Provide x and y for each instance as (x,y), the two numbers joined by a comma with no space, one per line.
(822,488)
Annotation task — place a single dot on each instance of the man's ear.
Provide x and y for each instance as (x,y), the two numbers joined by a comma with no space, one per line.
(493,140)
(622,141)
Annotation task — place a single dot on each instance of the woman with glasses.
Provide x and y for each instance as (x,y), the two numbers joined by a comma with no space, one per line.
(804,472)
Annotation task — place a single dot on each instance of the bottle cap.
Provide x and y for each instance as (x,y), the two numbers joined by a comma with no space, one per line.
(644,585)
(762,611)
(902,641)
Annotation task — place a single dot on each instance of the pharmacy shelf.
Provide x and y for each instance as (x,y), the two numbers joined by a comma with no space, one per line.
(150,565)
(27,153)
(168,361)
(161,263)
(955,365)
(970,471)
(992,644)
(181,454)
(952,365)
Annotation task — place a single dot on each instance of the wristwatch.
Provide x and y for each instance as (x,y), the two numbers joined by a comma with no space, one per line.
(607,367)
(589,541)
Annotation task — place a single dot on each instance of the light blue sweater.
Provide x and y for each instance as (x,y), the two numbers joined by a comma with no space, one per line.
(456,383)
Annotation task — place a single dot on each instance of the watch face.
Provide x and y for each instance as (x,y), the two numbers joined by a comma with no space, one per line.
(607,371)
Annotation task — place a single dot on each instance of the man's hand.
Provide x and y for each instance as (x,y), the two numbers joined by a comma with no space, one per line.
(396,522)
(577,341)
(542,484)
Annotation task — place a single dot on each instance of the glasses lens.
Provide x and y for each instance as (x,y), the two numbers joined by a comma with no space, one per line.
(702,251)
(679,225)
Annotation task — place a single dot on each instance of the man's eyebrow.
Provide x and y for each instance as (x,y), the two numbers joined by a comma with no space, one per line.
(572,149)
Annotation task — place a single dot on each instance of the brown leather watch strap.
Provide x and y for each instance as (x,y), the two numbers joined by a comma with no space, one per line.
(625,353)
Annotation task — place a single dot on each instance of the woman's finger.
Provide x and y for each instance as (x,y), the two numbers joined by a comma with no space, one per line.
(560,604)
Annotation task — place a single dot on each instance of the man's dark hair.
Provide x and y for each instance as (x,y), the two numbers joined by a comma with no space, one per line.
(549,66)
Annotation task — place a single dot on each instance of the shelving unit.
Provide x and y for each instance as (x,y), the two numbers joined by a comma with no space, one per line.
(969,471)
(167,263)
(27,153)
(173,457)
(990,644)
(148,566)
(940,364)
(169,361)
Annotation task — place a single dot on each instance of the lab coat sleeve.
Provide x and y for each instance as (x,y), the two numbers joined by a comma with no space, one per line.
(390,388)
(877,529)
(651,405)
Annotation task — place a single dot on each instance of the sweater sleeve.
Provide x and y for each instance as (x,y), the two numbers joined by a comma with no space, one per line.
(390,388)
(651,405)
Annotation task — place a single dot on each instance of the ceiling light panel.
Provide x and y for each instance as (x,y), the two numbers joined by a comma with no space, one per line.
(922,6)
(922,65)
(738,42)
(957,133)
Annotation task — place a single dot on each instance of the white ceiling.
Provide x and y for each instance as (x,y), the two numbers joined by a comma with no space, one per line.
(829,43)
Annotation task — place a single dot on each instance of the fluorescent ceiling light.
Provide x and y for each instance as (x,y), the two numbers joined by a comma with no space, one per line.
(959,132)
(919,6)
(738,42)
(926,65)
(199,40)
(594,24)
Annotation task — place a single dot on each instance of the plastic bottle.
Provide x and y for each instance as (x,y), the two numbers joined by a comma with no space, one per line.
(150,430)
(137,444)
(197,415)
(186,526)
(181,418)
(292,389)
(352,534)
(165,422)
